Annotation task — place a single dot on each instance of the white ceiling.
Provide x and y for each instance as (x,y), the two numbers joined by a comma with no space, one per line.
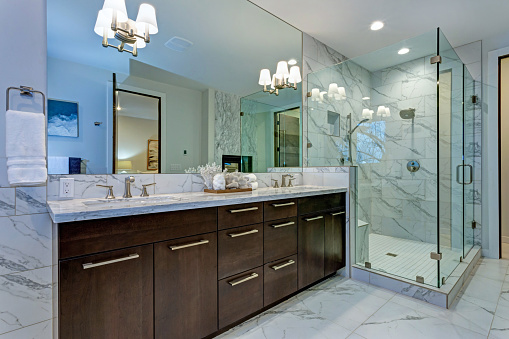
(233,40)
(344,25)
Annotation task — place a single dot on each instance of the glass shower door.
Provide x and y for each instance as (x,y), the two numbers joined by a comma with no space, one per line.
(451,166)
(469,103)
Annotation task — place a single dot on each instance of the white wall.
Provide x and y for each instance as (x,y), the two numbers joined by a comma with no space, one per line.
(25,226)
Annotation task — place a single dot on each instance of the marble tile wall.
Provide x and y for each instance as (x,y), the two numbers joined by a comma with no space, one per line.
(227,125)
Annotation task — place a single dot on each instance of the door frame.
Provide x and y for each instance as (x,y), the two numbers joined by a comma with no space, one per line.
(499,167)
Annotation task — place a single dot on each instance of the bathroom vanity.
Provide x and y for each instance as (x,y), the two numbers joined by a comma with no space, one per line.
(194,266)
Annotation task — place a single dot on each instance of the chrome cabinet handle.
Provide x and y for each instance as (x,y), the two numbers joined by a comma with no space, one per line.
(244,210)
(241,280)
(234,235)
(284,204)
(288,263)
(283,225)
(315,218)
(178,247)
(107,262)
(337,213)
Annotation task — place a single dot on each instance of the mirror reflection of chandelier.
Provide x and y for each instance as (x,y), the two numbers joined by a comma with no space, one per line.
(281,79)
(113,22)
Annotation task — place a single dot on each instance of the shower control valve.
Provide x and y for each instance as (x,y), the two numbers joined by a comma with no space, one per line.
(413,166)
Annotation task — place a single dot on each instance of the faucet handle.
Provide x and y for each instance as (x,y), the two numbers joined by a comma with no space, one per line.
(290,181)
(144,192)
(276,184)
(110,194)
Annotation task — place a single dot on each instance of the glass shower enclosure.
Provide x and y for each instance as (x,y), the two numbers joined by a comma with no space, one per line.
(406,122)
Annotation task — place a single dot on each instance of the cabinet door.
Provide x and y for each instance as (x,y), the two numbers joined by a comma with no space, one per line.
(185,292)
(334,237)
(107,295)
(311,249)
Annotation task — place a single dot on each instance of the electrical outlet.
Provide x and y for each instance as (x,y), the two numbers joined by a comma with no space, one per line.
(66,187)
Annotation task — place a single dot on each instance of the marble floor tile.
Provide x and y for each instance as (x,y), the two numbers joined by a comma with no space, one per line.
(397,321)
(499,329)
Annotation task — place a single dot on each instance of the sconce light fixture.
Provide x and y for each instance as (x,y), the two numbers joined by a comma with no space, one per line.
(383,111)
(281,79)
(113,22)
(367,113)
(336,92)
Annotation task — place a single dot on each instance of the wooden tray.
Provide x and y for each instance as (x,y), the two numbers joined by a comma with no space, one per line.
(233,190)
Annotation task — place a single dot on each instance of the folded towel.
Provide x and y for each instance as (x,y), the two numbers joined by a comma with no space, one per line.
(253,185)
(25,148)
(250,177)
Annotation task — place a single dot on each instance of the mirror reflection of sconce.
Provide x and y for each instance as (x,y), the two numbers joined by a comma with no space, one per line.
(335,92)
(383,111)
(281,79)
(367,113)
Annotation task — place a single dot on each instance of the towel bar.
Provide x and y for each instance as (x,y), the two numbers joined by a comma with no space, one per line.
(26,91)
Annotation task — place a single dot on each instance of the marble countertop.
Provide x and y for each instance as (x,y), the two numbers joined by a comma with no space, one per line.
(86,209)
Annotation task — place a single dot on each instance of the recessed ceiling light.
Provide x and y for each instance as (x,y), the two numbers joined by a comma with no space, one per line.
(292,62)
(403,51)
(365,98)
(375,26)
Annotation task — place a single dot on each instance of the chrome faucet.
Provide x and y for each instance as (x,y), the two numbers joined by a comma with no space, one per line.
(127,190)
(283,179)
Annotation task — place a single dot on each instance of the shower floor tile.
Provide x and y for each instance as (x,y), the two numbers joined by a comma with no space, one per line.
(410,258)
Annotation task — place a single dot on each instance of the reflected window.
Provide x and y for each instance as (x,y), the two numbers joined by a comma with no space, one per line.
(371,143)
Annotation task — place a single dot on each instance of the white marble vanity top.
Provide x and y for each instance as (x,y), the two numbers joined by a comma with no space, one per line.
(86,209)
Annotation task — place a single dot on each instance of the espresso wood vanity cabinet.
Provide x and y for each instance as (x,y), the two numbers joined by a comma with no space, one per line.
(193,273)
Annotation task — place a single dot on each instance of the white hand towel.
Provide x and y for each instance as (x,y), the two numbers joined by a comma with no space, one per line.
(253,185)
(25,147)
(250,177)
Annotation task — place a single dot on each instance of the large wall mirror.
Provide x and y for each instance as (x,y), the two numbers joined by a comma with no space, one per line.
(178,103)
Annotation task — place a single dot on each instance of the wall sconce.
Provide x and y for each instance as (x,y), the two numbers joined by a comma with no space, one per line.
(336,92)
(281,79)
(367,113)
(383,111)
(113,22)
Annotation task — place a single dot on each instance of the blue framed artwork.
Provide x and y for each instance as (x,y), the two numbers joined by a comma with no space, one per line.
(62,118)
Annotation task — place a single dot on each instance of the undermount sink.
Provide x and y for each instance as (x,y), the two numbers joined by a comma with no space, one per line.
(135,201)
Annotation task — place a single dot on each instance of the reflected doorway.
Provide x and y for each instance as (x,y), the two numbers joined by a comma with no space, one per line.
(287,138)
(137,130)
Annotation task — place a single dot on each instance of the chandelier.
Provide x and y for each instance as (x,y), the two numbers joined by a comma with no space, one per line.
(281,79)
(113,22)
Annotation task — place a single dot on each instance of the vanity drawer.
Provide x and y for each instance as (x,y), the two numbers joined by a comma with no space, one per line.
(239,249)
(280,209)
(240,215)
(279,279)
(279,239)
(240,296)
(93,236)
(321,203)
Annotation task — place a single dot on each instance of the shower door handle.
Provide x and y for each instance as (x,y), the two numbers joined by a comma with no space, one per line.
(471,175)
(458,175)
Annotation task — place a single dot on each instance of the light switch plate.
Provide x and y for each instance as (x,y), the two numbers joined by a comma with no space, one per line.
(66,188)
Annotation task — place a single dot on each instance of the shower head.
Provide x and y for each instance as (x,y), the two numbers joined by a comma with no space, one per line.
(407,113)
(361,122)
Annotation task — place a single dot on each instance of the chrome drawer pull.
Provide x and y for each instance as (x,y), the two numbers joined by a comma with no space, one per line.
(288,263)
(178,247)
(234,235)
(283,225)
(241,280)
(315,218)
(284,204)
(244,210)
(337,213)
(107,262)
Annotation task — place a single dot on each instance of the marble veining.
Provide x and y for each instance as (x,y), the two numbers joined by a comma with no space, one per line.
(74,210)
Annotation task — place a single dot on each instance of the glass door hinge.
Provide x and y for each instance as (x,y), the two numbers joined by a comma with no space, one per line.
(474,224)
(436,256)
(436,59)
(367,264)
(419,279)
